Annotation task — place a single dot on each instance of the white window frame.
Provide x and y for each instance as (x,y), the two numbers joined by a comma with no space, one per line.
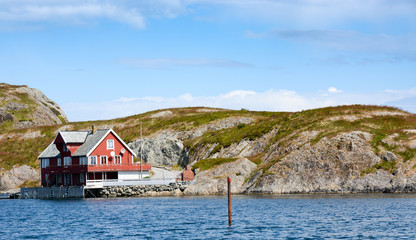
(45,162)
(93,160)
(67,161)
(59,162)
(110,144)
(117,159)
(105,160)
(83,161)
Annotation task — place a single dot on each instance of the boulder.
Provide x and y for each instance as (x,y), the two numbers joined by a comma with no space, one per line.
(388,156)
(17,176)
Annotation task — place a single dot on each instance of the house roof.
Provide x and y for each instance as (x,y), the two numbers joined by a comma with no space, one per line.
(50,152)
(91,142)
(74,136)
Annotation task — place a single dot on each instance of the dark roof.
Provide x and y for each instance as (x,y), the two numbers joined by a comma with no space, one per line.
(90,143)
(50,152)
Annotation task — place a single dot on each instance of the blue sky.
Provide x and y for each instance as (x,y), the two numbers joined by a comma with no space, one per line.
(107,59)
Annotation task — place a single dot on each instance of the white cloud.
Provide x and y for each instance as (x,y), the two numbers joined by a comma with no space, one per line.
(239,94)
(271,100)
(82,12)
(135,13)
(334,90)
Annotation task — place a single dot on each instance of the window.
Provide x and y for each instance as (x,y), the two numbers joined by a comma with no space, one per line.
(59,179)
(93,160)
(59,162)
(83,161)
(81,178)
(110,144)
(118,159)
(67,161)
(65,148)
(103,159)
(45,163)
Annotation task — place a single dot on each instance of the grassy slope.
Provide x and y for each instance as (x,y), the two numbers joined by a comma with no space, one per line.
(15,150)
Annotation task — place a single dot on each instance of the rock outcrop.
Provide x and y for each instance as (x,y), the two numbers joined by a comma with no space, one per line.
(214,181)
(331,165)
(164,149)
(23,107)
(167,148)
(17,176)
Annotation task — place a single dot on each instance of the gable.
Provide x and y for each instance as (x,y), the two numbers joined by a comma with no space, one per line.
(91,143)
(59,138)
(102,144)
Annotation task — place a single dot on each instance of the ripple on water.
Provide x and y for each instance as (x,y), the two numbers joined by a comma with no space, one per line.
(263,217)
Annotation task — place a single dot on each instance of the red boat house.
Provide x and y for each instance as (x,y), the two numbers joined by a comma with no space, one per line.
(89,158)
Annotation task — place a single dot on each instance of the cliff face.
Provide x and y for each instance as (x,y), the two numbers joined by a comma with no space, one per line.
(335,154)
(23,107)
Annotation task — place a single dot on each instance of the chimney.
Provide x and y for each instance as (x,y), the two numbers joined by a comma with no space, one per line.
(93,129)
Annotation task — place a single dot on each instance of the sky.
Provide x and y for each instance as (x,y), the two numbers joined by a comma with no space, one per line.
(114,58)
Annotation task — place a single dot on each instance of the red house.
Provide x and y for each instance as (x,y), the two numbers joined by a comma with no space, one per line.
(89,158)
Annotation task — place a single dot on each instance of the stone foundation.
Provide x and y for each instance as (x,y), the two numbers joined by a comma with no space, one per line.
(173,189)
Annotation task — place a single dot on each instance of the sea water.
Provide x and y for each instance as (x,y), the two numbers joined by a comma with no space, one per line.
(372,216)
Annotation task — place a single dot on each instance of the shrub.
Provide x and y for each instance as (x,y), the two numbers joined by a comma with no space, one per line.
(206,164)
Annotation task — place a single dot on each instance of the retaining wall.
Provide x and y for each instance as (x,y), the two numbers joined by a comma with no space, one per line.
(175,188)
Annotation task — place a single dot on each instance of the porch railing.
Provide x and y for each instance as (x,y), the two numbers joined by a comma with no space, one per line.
(127,182)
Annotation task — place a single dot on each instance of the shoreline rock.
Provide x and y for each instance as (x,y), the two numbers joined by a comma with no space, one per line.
(173,189)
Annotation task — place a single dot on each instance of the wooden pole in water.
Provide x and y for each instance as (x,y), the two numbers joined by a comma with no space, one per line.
(141,152)
(229,200)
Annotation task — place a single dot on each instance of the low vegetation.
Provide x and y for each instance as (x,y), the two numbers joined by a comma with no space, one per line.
(206,164)
(15,149)
(385,165)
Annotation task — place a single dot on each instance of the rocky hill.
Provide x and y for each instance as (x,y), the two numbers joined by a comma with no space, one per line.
(23,107)
(329,150)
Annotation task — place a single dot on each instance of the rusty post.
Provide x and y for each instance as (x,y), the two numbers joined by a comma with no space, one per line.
(229,200)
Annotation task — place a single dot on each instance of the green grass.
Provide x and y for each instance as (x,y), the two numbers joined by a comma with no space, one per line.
(6,126)
(25,99)
(408,154)
(62,119)
(23,115)
(226,137)
(206,164)
(388,166)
